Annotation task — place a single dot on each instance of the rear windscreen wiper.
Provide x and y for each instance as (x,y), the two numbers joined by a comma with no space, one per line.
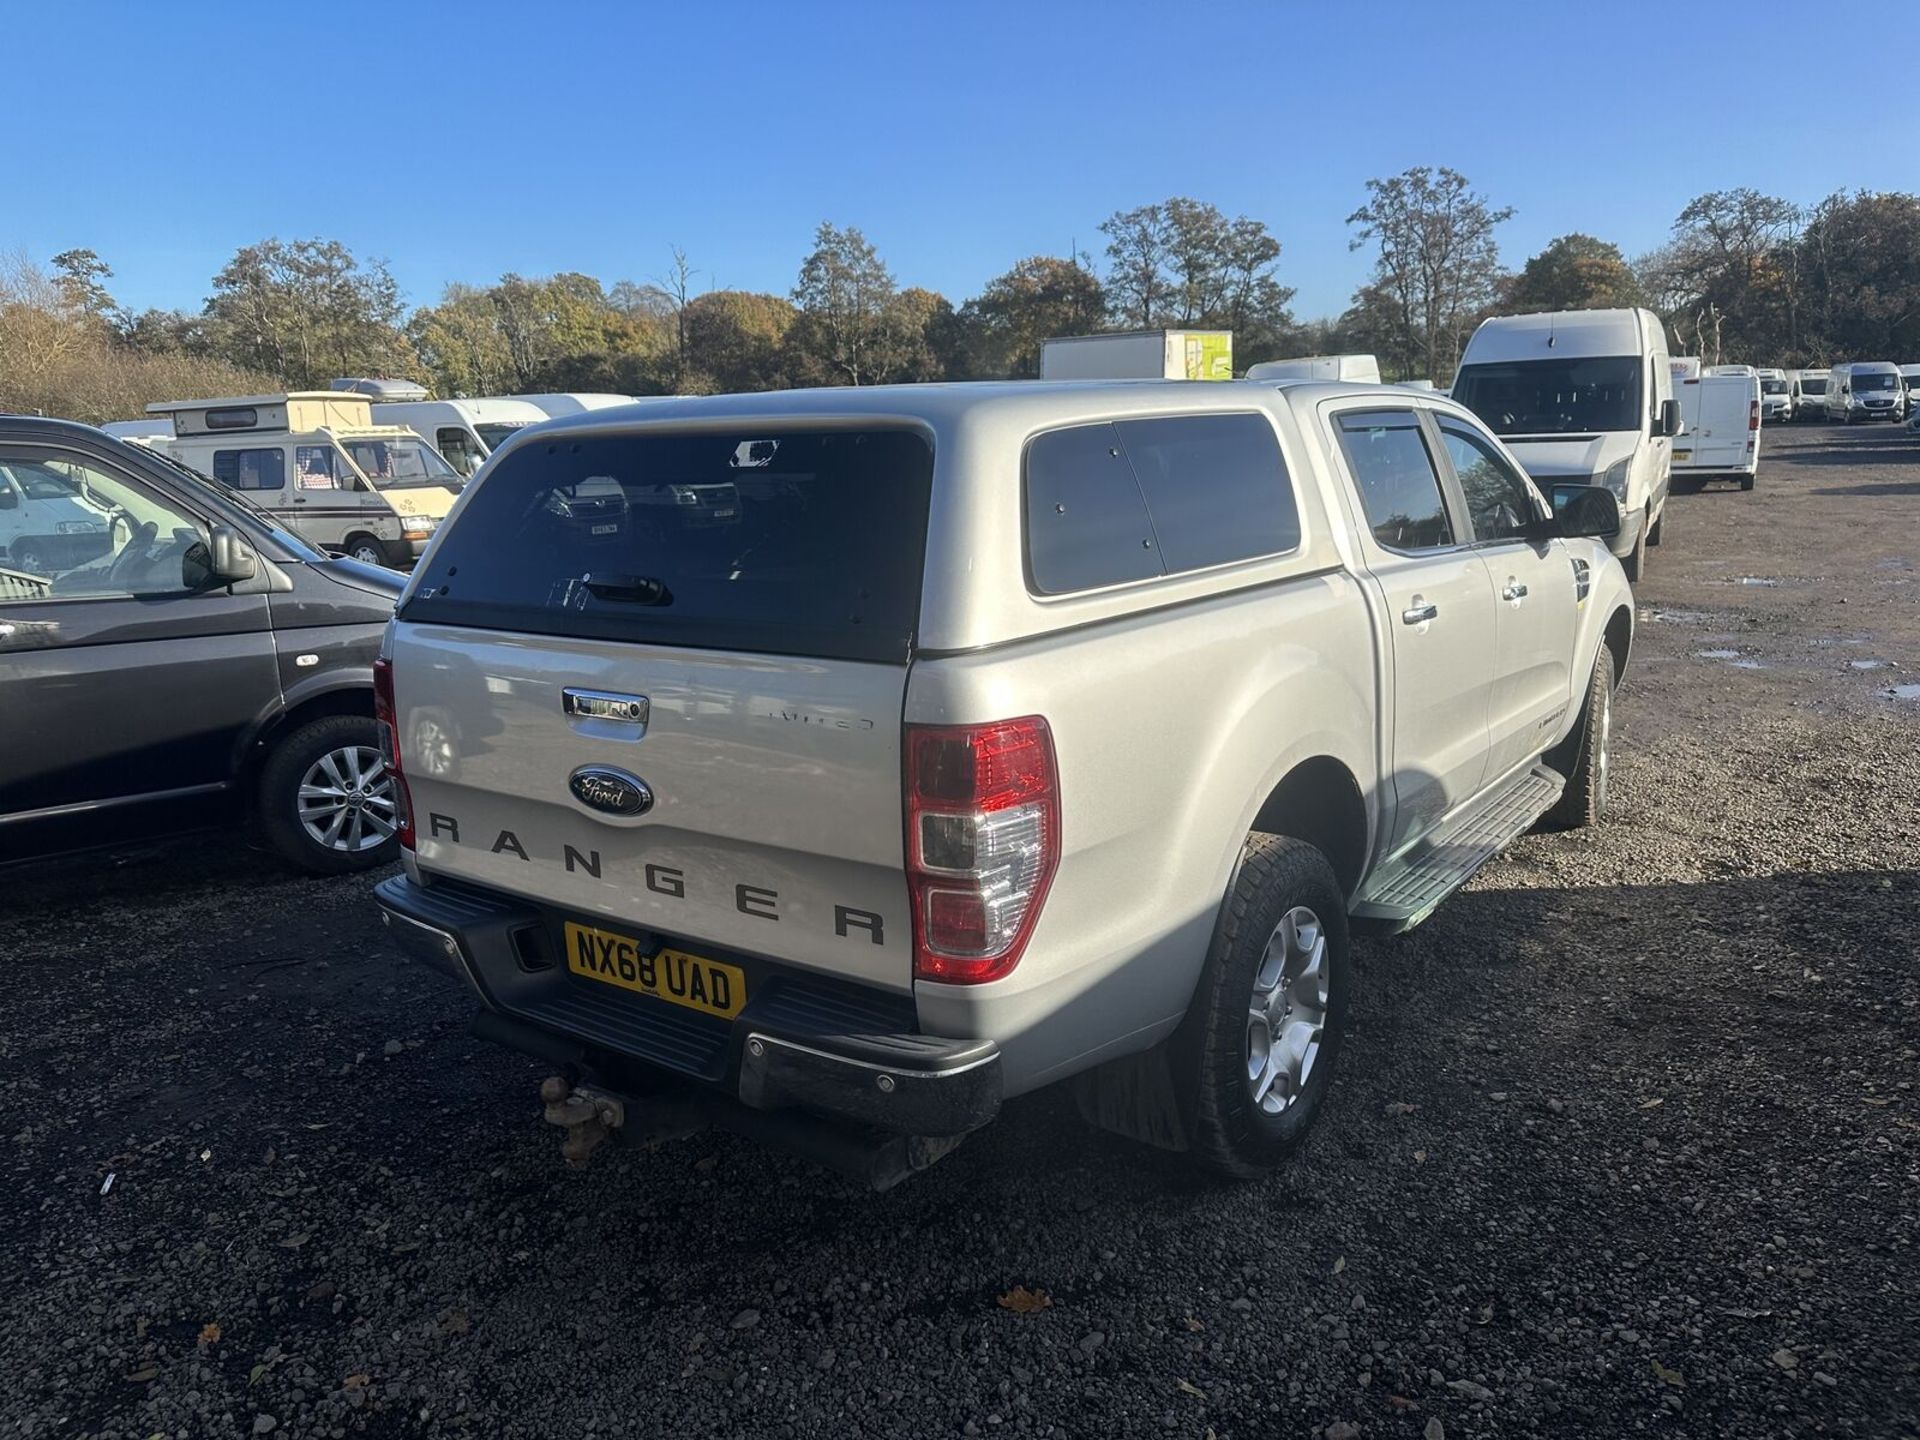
(636,589)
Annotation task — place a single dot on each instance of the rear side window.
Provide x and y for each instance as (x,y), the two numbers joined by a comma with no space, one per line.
(1141,499)
(1394,473)
(264,468)
(798,543)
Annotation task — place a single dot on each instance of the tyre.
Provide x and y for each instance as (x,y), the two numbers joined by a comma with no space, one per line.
(23,556)
(1634,562)
(1585,756)
(1659,530)
(366,549)
(1264,1034)
(1746,482)
(325,799)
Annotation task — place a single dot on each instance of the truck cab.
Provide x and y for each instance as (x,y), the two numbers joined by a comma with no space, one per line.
(317,461)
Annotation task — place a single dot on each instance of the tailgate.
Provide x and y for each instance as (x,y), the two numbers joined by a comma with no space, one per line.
(654,676)
(775,824)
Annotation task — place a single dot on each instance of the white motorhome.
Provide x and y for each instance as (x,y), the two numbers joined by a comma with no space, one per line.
(1809,394)
(1140,355)
(317,462)
(380,390)
(1582,394)
(139,429)
(1360,369)
(1865,390)
(556,406)
(1720,427)
(464,431)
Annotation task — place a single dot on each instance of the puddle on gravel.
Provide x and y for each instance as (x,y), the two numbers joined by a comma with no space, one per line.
(1748,664)
(1869,664)
(1755,580)
(1677,617)
(1717,654)
(1905,692)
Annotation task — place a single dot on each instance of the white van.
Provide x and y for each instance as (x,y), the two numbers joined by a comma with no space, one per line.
(464,431)
(1909,378)
(1360,369)
(1582,394)
(1809,394)
(1776,396)
(1865,390)
(49,522)
(315,460)
(1719,427)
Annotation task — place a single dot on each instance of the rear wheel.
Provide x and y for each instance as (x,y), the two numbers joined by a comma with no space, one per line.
(1746,482)
(1260,1044)
(25,557)
(1585,756)
(326,800)
(366,549)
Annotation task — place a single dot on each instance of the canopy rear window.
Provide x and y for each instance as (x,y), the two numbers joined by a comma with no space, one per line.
(787,542)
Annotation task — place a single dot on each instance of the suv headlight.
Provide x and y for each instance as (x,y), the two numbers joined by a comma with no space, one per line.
(1615,479)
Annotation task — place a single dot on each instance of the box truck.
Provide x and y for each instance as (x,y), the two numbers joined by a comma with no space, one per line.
(1140,355)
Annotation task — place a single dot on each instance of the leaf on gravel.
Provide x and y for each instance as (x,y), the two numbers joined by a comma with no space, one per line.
(1022,1301)
(1876,1100)
(253,1375)
(456,1323)
(1484,1315)
(1669,1377)
(1657,1100)
(1400,1107)
(1401,1402)
(144,1374)
(1339,1264)
(1196,1326)
(1740,1314)
(1419,1157)
(294,1242)
(1186,1388)
(209,1334)
(356,1382)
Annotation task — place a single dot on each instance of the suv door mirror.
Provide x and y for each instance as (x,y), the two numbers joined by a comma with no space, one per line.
(1585,511)
(1669,423)
(229,559)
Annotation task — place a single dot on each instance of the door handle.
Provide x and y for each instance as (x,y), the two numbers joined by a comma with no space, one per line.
(1419,612)
(1514,591)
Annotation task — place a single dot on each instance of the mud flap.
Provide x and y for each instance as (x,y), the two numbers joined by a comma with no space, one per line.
(1134,1096)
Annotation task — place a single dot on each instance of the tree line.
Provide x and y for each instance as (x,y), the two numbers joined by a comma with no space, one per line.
(1743,277)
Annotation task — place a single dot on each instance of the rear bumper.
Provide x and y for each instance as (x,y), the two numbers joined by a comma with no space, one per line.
(801,1041)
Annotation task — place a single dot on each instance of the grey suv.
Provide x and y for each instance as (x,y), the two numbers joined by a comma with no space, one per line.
(171,656)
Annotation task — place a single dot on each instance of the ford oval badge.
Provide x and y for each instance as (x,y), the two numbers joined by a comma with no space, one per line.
(601,787)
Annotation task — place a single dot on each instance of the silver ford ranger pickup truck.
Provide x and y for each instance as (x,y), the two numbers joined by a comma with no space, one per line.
(831,766)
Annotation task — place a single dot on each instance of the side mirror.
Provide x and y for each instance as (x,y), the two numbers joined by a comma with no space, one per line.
(1585,511)
(8,500)
(1669,423)
(229,559)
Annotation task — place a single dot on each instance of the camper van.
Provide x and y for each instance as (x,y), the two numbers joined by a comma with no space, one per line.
(1582,394)
(315,460)
(1809,394)
(1358,369)
(464,431)
(1865,390)
(1719,427)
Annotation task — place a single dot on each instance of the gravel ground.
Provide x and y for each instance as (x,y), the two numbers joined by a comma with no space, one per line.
(1626,1140)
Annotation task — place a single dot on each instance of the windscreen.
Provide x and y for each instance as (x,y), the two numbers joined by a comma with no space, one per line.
(801,543)
(396,464)
(1553,397)
(1773,387)
(1876,380)
(494,436)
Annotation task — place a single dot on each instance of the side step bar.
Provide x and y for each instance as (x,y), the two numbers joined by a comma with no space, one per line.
(1444,861)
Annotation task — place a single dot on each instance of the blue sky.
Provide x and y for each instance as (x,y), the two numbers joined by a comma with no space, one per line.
(460,142)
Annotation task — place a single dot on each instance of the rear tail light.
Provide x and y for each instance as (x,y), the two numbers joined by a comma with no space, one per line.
(983,841)
(1753,414)
(383,712)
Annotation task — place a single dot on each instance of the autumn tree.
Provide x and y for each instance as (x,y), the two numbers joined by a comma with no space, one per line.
(845,332)
(1859,268)
(1575,272)
(1183,263)
(1041,297)
(1436,260)
(307,310)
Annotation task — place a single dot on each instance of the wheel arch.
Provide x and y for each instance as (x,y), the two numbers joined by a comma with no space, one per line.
(1618,635)
(344,692)
(1320,802)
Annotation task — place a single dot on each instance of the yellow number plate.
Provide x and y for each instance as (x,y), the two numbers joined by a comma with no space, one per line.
(700,984)
(1683,454)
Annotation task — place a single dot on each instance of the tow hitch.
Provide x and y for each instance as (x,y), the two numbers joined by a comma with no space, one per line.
(588,1116)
